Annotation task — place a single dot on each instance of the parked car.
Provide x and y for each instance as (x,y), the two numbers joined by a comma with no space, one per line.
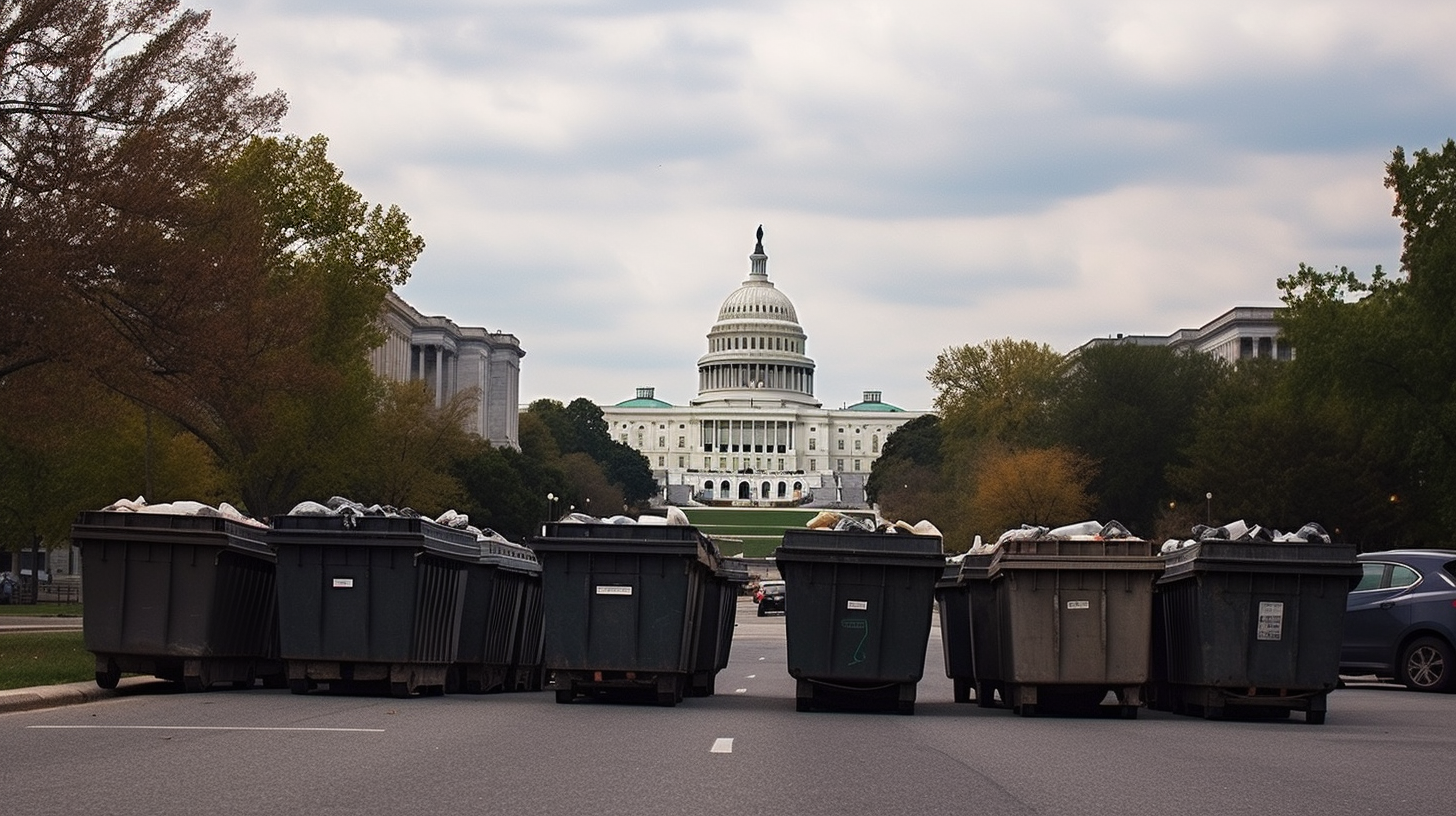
(772,598)
(1400,620)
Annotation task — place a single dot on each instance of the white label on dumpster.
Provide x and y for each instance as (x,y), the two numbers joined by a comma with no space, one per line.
(858,605)
(613,590)
(343,583)
(1079,604)
(1271,620)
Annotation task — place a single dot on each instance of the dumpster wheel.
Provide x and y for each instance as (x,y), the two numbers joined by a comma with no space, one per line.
(109,676)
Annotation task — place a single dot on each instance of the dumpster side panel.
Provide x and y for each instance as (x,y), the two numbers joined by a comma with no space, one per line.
(857,623)
(1075,626)
(617,611)
(245,607)
(1250,629)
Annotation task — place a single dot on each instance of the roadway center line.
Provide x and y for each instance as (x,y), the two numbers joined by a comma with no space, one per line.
(722,745)
(740,691)
(203,728)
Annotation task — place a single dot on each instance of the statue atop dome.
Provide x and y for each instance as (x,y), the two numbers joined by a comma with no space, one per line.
(758,249)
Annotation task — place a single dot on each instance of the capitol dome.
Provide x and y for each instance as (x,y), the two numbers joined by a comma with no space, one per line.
(756,349)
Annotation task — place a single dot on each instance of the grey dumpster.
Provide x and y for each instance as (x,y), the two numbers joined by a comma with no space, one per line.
(1075,619)
(494,621)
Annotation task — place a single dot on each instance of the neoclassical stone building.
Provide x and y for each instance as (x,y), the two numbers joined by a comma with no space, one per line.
(451,359)
(755,434)
(1241,333)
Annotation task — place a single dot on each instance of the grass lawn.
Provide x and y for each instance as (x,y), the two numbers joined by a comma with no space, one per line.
(44,659)
(41,610)
(760,529)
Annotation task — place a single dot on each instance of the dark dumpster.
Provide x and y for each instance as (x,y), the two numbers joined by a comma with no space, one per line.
(1251,628)
(623,605)
(187,598)
(970,628)
(717,615)
(858,622)
(494,620)
(370,601)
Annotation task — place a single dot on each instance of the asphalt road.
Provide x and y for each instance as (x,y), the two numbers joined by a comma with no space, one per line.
(744,751)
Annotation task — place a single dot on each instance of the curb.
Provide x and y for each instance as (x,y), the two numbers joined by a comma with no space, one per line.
(41,697)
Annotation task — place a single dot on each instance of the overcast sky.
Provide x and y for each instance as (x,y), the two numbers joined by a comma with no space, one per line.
(589,175)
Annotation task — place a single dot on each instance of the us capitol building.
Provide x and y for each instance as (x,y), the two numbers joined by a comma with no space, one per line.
(755,435)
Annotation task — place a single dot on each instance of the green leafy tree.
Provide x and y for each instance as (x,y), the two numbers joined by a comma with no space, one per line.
(408,454)
(249,321)
(1272,458)
(1131,409)
(905,481)
(1386,347)
(579,427)
(1001,389)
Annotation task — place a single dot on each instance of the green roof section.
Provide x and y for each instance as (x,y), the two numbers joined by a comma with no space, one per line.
(646,398)
(872,402)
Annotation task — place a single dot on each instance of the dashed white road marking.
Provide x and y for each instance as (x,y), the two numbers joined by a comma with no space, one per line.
(722,745)
(740,691)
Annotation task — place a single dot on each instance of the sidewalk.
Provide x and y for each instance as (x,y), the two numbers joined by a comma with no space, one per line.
(38,697)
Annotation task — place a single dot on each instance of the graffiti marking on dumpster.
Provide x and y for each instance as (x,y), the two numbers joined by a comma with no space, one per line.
(863,625)
(1271,620)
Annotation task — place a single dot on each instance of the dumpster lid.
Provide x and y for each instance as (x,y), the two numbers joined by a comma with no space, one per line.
(506,555)
(1221,555)
(732,570)
(375,531)
(170,528)
(1077,553)
(862,541)
(641,539)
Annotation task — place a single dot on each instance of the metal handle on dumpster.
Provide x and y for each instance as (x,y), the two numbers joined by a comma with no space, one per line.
(416,561)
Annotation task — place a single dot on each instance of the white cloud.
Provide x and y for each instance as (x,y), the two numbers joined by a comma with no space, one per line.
(588,175)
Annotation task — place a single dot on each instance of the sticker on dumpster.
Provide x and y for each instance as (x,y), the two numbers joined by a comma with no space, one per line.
(606,589)
(1271,620)
(858,605)
(343,583)
(1079,604)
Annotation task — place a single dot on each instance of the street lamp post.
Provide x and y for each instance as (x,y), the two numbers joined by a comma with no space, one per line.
(550,506)
(1209,498)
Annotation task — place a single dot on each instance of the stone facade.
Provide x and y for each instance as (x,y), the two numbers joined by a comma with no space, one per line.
(451,359)
(1241,333)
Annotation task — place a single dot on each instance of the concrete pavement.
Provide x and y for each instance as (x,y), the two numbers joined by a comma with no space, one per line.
(30,699)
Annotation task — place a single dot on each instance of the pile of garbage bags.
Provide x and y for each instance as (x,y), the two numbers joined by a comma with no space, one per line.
(830,520)
(340,506)
(1242,531)
(181,508)
(1083,530)
(675,516)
